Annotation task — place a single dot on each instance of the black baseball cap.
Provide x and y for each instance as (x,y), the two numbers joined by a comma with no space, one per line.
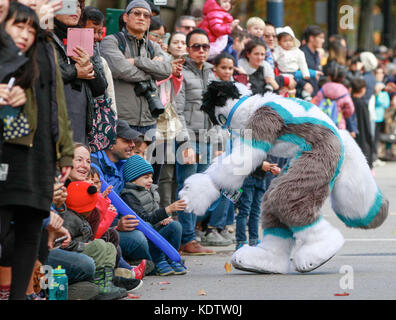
(126,132)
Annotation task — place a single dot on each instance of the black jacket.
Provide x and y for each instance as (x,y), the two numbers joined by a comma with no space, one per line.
(92,88)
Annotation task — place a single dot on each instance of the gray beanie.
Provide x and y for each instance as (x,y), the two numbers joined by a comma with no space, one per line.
(138,4)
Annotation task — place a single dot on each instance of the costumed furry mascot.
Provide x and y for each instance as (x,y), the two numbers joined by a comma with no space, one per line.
(323,161)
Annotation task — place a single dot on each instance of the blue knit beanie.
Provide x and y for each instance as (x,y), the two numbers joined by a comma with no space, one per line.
(136,167)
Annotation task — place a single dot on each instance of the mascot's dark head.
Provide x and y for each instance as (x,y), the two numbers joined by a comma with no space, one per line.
(216,95)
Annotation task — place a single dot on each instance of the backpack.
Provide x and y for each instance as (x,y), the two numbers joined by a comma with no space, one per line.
(122,43)
(329,107)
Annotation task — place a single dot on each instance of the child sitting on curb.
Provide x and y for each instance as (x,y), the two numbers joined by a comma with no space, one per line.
(81,201)
(141,195)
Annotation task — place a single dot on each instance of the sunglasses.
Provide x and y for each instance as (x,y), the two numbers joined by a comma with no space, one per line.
(197,47)
(137,14)
(188,27)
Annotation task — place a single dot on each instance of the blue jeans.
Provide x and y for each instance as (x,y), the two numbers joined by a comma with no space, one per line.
(134,245)
(78,266)
(188,220)
(172,233)
(218,214)
(249,210)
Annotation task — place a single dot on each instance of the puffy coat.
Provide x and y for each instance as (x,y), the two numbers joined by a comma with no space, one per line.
(334,90)
(189,100)
(216,21)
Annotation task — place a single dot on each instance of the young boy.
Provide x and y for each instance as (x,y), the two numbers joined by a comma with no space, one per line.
(81,202)
(141,195)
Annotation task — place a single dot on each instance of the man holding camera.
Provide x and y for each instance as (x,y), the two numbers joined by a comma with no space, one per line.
(135,63)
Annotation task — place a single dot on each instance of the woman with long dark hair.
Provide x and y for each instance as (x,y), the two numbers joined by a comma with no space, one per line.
(26,186)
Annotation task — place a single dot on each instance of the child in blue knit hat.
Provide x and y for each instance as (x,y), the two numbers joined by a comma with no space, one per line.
(141,195)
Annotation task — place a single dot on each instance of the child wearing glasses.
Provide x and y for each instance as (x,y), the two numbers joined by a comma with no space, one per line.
(218,23)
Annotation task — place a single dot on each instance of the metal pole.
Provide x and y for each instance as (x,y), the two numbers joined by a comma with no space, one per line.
(332,17)
(387,29)
(275,12)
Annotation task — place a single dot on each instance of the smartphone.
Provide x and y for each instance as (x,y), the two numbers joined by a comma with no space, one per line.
(69,7)
(58,242)
(83,37)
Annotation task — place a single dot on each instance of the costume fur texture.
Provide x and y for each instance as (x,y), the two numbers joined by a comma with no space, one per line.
(324,161)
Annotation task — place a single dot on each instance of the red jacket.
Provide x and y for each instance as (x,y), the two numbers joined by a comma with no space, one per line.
(216,21)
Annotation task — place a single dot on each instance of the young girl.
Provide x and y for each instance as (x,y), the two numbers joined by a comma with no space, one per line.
(261,75)
(218,23)
(107,215)
(224,66)
(335,90)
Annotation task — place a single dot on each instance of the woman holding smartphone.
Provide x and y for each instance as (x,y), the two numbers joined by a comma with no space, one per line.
(26,186)
(84,79)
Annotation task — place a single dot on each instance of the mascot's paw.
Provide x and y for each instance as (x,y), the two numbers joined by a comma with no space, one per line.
(199,192)
(272,255)
(319,244)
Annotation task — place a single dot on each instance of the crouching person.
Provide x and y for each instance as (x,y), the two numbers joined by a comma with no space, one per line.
(81,201)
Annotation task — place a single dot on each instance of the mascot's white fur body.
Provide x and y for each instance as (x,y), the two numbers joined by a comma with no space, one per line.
(324,161)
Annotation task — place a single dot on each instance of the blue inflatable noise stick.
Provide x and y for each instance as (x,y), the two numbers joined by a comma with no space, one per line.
(149,232)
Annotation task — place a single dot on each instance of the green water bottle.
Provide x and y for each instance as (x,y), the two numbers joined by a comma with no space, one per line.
(58,287)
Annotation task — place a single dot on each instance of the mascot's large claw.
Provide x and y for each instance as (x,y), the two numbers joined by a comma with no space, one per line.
(272,255)
(319,244)
(199,192)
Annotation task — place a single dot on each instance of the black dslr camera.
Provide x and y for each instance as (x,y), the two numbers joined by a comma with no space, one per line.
(148,89)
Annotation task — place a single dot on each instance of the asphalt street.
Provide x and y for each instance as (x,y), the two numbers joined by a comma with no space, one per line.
(364,269)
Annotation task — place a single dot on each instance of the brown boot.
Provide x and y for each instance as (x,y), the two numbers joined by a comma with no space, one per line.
(193,248)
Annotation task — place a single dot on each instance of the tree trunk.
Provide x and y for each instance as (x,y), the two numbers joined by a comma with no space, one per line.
(366,26)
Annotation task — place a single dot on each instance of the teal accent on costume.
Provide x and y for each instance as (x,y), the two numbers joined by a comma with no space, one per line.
(305,104)
(278,232)
(300,142)
(362,222)
(290,119)
(257,144)
(298,229)
(231,114)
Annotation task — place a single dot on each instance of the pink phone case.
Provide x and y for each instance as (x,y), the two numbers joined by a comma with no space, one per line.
(83,37)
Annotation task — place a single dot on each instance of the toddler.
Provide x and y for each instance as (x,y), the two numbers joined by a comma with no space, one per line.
(141,195)
(218,23)
(290,59)
(81,202)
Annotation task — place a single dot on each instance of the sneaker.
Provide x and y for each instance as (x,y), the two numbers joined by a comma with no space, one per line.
(128,284)
(149,268)
(228,235)
(193,248)
(139,270)
(240,244)
(213,238)
(83,290)
(34,296)
(378,163)
(164,269)
(178,268)
(4,292)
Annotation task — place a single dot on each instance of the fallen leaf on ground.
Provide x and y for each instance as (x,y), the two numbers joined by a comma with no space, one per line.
(227,267)
(201,292)
(164,282)
(132,296)
(341,294)
(394,231)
